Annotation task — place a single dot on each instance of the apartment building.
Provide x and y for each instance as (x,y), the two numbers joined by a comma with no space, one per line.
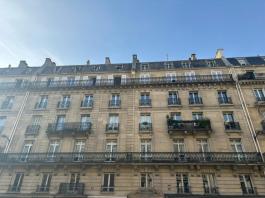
(188,128)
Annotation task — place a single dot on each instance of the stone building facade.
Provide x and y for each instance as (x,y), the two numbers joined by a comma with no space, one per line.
(190,128)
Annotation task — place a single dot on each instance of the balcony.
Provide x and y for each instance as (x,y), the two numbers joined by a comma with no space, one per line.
(231,158)
(145,127)
(145,102)
(183,189)
(112,127)
(195,101)
(232,126)
(173,101)
(251,76)
(32,130)
(107,188)
(188,126)
(260,101)
(14,188)
(40,106)
(86,104)
(14,85)
(71,188)
(225,100)
(114,103)
(211,190)
(69,129)
(63,104)
(42,189)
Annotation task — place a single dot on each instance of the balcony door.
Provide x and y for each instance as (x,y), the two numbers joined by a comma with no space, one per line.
(144,78)
(171,77)
(25,151)
(17,182)
(108,182)
(79,149)
(74,181)
(53,150)
(238,148)
(146,149)
(217,75)
(182,183)
(111,149)
(45,182)
(209,184)
(85,122)
(146,180)
(190,76)
(60,122)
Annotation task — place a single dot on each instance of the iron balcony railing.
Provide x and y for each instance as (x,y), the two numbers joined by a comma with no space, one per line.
(183,189)
(145,126)
(189,125)
(249,190)
(69,128)
(211,190)
(14,188)
(174,101)
(32,130)
(15,85)
(195,101)
(72,188)
(63,104)
(114,103)
(232,126)
(260,100)
(6,105)
(225,100)
(86,104)
(112,127)
(41,105)
(145,102)
(43,188)
(107,188)
(251,76)
(134,157)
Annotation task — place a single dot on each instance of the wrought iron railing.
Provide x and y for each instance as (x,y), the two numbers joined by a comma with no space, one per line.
(196,100)
(174,101)
(69,128)
(251,76)
(86,104)
(260,100)
(72,188)
(43,188)
(225,100)
(134,157)
(211,190)
(41,105)
(232,126)
(188,125)
(112,127)
(249,190)
(114,103)
(145,102)
(186,189)
(145,126)
(107,188)
(32,130)
(63,104)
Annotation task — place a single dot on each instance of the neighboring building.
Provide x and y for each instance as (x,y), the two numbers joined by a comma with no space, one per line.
(140,129)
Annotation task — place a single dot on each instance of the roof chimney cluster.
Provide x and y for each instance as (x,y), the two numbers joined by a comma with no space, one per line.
(193,57)
(48,62)
(22,64)
(107,61)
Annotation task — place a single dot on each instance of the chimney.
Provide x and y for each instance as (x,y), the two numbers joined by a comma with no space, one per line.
(135,60)
(9,66)
(193,57)
(48,62)
(88,62)
(107,61)
(219,53)
(22,64)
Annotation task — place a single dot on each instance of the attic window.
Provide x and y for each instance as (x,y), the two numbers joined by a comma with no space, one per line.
(168,65)
(96,68)
(185,64)
(119,67)
(242,62)
(211,63)
(144,66)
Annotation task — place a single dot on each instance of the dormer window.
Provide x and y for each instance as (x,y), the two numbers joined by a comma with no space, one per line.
(119,67)
(242,62)
(96,68)
(185,64)
(168,65)
(144,66)
(211,63)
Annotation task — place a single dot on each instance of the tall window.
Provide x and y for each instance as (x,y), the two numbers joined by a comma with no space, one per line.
(79,149)
(228,117)
(17,183)
(2,123)
(74,182)
(173,98)
(179,145)
(53,149)
(203,145)
(146,149)
(194,98)
(171,77)
(259,94)
(87,101)
(113,122)
(42,104)
(146,180)
(223,98)
(217,75)
(45,182)
(145,122)
(197,115)
(60,122)
(70,81)
(8,102)
(209,184)
(108,182)
(26,150)
(115,100)
(111,149)
(176,116)
(85,122)
(237,147)
(246,184)
(190,76)
(65,102)
(182,181)
(144,78)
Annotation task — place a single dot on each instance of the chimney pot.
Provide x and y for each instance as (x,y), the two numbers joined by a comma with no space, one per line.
(219,53)
(107,61)
(22,63)
(193,57)
(88,62)
(48,62)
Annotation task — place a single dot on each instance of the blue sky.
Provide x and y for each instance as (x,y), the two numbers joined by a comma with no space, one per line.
(73,31)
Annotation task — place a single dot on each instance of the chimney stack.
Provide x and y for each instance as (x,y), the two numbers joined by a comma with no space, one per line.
(22,64)
(88,62)
(193,57)
(48,62)
(107,61)
(219,53)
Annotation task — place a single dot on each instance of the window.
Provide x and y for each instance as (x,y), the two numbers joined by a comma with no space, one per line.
(96,68)
(176,116)
(79,148)
(8,102)
(111,149)
(190,76)
(173,98)
(203,145)
(2,123)
(42,104)
(145,121)
(211,63)
(194,98)
(110,79)
(229,121)
(209,184)
(223,98)
(74,183)
(259,94)
(185,64)
(60,122)
(169,65)
(228,117)
(26,150)
(217,75)
(182,181)
(146,180)
(179,145)
(113,122)
(65,102)
(146,149)
(45,183)
(108,182)
(144,66)
(197,115)
(145,99)
(144,78)
(70,81)
(171,77)
(87,101)
(115,100)
(242,62)
(246,184)
(17,182)
(53,149)
(85,122)
(236,145)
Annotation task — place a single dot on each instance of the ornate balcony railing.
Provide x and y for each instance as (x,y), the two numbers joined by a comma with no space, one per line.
(225,78)
(145,102)
(195,101)
(69,128)
(145,126)
(63,104)
(43,188)
(226,100)
(112,127)
(6,105)
(183,189)
(32,130)
(72,188)
(14,188)
(251,76)
(135,157)
(107,188)
(232,126)
(211,190)
(114,103)
(192,126)
(174,101)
